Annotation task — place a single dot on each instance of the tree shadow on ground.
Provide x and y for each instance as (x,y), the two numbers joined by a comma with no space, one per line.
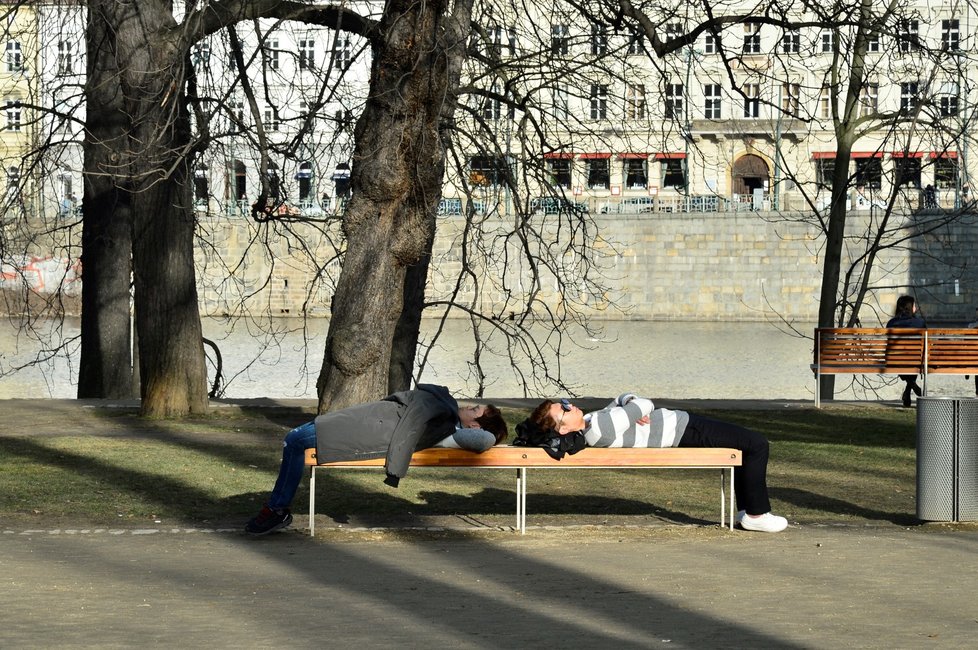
(807,499)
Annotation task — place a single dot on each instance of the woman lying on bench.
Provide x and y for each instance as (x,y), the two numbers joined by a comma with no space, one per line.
(631,421)
(395,427)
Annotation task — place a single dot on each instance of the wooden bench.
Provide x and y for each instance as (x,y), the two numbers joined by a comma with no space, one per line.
(523,458)
(895,351)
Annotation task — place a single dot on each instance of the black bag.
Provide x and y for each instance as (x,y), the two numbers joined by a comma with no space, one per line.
(528,434)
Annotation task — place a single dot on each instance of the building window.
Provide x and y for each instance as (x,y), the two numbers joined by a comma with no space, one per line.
(946,172)
(15,57)
(791,41)
(673,30)
(636,174)
(825,103)
(560,172)
(752,38)
(201,189)
(271,53)
(503,40)
(712,107)
(909,95)
(342,51)
(828,40)
(824,169)
(674,101)
(599,102)
(906,171)
(305,177)
(240,180)
(599,40)
(908,36)
(271,119)
(598,177)
(307,54)
(869,99)
(869,172)
(202,54)
(635,102)
(873,43)
(636,44)
(752,100)
(711,43)
(790,94)
(561,104)
(13,180)
(13,115)
(948,100)
(950,34)
(674,173)
(559,39)
(487,170)
(66,59)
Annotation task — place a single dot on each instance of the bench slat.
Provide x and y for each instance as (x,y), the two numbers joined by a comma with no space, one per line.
(508,456)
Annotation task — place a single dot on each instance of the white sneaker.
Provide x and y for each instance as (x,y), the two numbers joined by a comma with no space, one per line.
(766,523)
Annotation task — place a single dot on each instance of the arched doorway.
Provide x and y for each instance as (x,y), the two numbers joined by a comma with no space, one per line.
(750,172)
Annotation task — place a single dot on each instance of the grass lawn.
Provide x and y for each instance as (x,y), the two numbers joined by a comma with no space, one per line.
(836,464)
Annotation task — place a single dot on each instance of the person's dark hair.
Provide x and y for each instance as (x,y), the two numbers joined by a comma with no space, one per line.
(492,421)
(541,416)
(904,306)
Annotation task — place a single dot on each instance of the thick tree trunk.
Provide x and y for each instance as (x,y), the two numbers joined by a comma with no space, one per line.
(405,346)
(105,366)
(397,173)
(152,170)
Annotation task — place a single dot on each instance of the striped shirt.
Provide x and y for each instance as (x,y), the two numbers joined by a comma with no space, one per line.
(616,424)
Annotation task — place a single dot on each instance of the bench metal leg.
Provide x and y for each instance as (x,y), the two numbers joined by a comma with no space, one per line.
(312,501)
(521,500)
(724,496)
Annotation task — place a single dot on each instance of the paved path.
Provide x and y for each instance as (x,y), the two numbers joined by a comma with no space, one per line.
(880,586)
(813,587)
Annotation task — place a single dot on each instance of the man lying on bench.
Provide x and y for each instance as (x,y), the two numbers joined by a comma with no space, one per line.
(395,427)
(630,421)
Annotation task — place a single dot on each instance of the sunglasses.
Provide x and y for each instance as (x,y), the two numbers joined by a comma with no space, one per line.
(565,405)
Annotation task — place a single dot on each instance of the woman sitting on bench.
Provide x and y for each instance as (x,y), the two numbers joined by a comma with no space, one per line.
(631,421)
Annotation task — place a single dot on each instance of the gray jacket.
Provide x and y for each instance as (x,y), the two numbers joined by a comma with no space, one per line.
(394,427)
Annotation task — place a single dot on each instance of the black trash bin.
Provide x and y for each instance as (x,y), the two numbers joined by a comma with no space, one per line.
(947,459)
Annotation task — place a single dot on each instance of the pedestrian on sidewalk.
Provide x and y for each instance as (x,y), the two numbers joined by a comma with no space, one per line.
(394,427)
(631,421)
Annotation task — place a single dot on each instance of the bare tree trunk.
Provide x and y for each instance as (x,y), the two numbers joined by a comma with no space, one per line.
(398,166)
(105,365)
(149,156)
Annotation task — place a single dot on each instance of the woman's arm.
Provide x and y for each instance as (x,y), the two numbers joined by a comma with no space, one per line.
(614,426)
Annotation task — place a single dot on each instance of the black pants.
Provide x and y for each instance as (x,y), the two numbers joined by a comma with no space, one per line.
(750,480)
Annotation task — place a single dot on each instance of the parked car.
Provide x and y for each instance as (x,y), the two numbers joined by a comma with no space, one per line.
(556,205)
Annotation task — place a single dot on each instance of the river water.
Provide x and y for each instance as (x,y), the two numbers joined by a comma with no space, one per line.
(677,360)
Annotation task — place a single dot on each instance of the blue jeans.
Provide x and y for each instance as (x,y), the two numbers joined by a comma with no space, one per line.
(293,464)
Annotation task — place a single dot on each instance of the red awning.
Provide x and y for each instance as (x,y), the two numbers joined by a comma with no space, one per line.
(670,156)
(558,154)
(820,155)
(866,154)
(943,154)
(907,154)
(590,156)
(633,156)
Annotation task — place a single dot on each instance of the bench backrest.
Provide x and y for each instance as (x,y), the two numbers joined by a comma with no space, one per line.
(865,350)
(508,456)
(952,351)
